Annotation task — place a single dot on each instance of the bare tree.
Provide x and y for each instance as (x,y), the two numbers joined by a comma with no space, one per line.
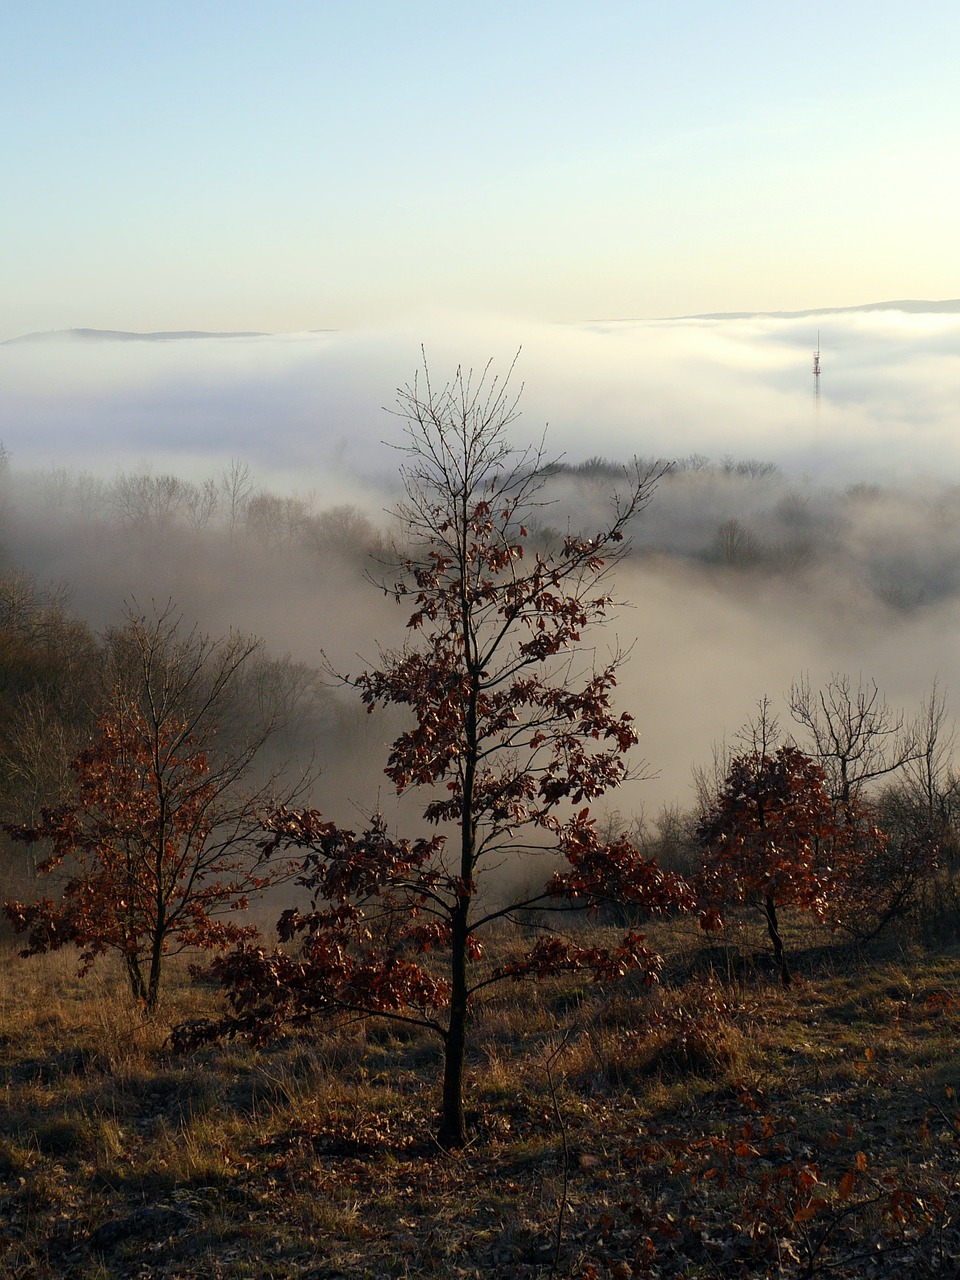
(860,741)
(236,485)
(49,671)
(921,811)
(931,774)
(278,521)
(760,734)
(852,733)
(201,502)
(736,546)
(150,503)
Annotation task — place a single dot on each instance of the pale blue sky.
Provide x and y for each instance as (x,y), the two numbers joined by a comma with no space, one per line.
(304,165)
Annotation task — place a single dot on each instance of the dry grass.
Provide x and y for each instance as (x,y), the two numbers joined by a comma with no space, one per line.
(679,1126)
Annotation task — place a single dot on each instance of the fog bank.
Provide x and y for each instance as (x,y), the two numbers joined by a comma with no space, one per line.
(306,409)
(740,581)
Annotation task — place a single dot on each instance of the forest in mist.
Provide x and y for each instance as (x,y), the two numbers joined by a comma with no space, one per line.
(740,581)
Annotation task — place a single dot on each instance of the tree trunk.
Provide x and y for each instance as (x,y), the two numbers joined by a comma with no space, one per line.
(773,928)
(153,986)
(138,987)
(453,1121)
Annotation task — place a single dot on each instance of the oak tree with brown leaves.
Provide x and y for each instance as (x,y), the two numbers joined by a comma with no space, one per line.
(773,838)
(157,843)
(513,733)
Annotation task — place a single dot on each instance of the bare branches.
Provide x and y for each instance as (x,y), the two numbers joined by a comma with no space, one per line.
(853,733)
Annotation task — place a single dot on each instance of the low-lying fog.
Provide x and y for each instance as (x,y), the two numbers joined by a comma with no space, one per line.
(306,408)
(842,556)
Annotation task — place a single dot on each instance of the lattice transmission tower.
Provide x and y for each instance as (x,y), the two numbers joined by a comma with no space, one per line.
(816,373)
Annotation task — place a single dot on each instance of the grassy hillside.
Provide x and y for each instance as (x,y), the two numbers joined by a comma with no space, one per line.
(715,1125)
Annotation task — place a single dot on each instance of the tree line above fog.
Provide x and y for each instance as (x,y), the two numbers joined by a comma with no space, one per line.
(900,545)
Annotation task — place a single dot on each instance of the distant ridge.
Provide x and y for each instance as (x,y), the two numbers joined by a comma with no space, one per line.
(910,305)
(913,305)
(121,335)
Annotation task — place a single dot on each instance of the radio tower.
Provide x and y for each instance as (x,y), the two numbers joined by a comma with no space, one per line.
(816,373)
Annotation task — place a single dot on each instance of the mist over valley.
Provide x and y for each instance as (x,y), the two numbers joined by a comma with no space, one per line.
(249,478)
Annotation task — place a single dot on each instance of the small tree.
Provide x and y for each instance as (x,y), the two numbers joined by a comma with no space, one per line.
(860,742)
(853,734)
(49,664)
(513,733)
(771,839)
(157,838)
(930,789)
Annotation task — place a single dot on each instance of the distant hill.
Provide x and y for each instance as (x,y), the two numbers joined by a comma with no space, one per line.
(914,305)
(909,305)
(121,335)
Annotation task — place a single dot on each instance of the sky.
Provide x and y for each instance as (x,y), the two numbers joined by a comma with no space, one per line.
(320,165)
